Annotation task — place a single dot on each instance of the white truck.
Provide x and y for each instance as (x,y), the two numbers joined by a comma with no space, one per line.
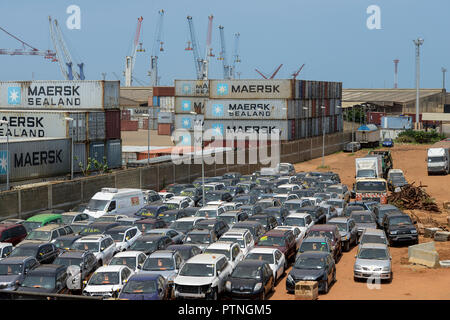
(368,167)
(438,160)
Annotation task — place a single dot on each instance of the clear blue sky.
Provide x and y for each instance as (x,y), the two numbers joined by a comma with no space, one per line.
(329,36)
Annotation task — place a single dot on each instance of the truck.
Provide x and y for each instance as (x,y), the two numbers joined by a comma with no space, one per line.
(386,160)
(438,160)
(368,167)
(371,189)
(368,135)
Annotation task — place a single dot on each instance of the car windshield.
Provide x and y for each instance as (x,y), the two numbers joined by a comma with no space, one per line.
(298,222)
(104,278)
(363,218)
(197,270)
(271,241)
(182,225)
(371,238)
(334,189)
(140,287)
(342,226)
(142,245)
(400,221)
(237,240)
(10,269)
(211,196)
(292,206)
(68,261)
(147,212)
(370,186)
(198,238)
(66,219)
(30,225)
(117,236)
(314,246)
(23,252)
(97,205)
(396,175)
(206,213)
(436,159)
(39,235)
(373,254)
(366,173)
(246,272)
(158,264)
(309,263)
(39,282)
(228,219)
(77,228)
(86,246)
(225,252)
(321,233)
(267,257)
(208,188)
(336,204)
(172,206)
(130,262)
(187,193)
(262,220)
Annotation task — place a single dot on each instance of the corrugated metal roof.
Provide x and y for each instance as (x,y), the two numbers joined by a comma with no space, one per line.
(388,96)
(139,94)
(368,127)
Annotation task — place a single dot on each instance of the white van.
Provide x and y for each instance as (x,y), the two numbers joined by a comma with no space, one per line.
(115,201)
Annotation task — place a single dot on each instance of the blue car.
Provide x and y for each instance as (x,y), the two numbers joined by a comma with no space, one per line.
(145,287)
(388,142)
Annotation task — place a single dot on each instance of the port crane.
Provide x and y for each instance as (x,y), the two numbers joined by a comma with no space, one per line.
(295,74)
(201,64)
(157,47)
(273,74)
(130,60)
(228,70)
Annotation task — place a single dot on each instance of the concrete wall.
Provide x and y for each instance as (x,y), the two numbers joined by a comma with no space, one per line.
(65,195)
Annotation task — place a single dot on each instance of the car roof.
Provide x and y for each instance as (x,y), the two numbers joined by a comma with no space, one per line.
(263,250)
(190,219)
(339,219)
(200,231)
(49,227)
(221,245)
(184,246)
(314,254)
(315,239)
(46,269)
(298,215)
(206,258)
(31,244)
(235,232)
(159,230)
(324,227)
(373,246)
(70,213)
(162,254)
(373,231)
(127,253)
(361,212)
(207,207)
(14,260)
(92,238)
(252,262)
(111,268)
(148,237)
(73,254)
(5,244)
(121,228)
(276,233)
(144,277)
(44,217)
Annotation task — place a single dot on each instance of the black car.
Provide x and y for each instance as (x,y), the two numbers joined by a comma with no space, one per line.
(331,176)
(84,259)
(43,252)
(230,182)
(383,209)
(251,209)
(232,175)
(317,213)
(280,213)
(399,228)
(312,266)
(246,199)
(191,211)
(269,222)
(184,226)
(100,227)
(177,188)
(262,189)
(217,225)
(170,216)
(193,193)
(48,278)
(235,190)
(218,195)
(14,269)
(150,243)
(255,228)
(65,242)
(186,251)
(250,279)
(351,207)
(151,211)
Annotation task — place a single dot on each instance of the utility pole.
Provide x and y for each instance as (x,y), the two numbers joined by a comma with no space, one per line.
(417,43)
(396,61)
(443,77)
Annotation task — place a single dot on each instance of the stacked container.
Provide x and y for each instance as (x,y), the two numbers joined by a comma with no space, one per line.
(164,99)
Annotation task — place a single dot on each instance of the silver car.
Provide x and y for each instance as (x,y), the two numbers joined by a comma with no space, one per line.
(371,235)
(164,262)
(363,219)
(373,261)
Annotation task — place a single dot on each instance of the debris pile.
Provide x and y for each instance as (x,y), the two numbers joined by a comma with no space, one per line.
(412,197)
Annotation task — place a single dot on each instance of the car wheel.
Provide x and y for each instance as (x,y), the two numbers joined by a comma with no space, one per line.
(263,295)
(325,289)
(347,246)
(213,295)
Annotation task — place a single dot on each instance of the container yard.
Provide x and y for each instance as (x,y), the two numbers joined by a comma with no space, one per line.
(269,160)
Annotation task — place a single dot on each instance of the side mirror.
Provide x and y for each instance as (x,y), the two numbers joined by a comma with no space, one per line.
(139,267)
(84,282)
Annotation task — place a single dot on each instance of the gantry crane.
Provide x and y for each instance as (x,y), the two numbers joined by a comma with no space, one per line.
(228,70)
(201,64)
(130,60)
(236,57)
(157,47)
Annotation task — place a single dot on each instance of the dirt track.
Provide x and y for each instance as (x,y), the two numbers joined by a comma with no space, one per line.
(410,281)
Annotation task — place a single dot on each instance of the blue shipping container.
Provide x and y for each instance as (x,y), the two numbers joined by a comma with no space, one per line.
(114,153)
(97,151)
(155,101)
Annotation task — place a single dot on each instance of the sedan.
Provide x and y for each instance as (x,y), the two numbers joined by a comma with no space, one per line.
(145,287)
(177,237)
(373,261)
(274,257)
(352,147)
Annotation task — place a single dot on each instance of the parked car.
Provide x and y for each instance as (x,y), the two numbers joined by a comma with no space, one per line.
(12,233)
(150,223)
(175,236)
(111,217)
(370,235)
(274,257)
(230,250)
(194,193)
(66,242)
(242,236)
(101,245)
(47,278)
(47,233)
(145,287)
(217,225)
(150,243)
(283,197)
(179,202)
(98,228)
(383,209)
(164,262)
(293,205)
(14,269)
(283,240)
(210,211)
(201,237)
(338,204)
(352,146)
(363,219)
(353,207)
(203,276)
(41,220)
(5,249)
(251,209)
(85,260)
(255,228)
(186,250)
(107,281)
(246,198)
(298,234)
(268,221)
(235,190)
(233,217)
(184,225)
(341,190)
(322,244)
(330,211)
(388,142)
(317,213)
(313,266)
(218,195)
(128,221)
(45,253)
(152,211)
(79,226)
(124,236)
(373,261)
(71,217)
(177,188)
(132,259)
(279,213)
(304,221)
(400,228)
(330,231)
(347,231)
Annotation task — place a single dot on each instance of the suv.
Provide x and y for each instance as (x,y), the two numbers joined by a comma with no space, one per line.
(201,237)
(12,233)
(279,213)
(85,260)
(217,225)
(107,281)
(242,236)
(179,202)
(101,245)
(268,221)
(150,243)
(164,262)
(47,233)
(41,220)
(400,228)
(383,209)
(14,269)
(124,236)
(203,276)
(317,213)
(231,250)
(283,240)
(331,232)
(255,227)
(48,278)
(43,252)
(210,211)
(347,231)
(373,261)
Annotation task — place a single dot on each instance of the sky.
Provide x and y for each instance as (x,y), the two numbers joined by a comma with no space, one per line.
(330,37)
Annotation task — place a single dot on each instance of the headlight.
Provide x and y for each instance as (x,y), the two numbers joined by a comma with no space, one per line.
(257,286)
(393,232)
(414,231)
(345,238)
(228,285)
(85,293)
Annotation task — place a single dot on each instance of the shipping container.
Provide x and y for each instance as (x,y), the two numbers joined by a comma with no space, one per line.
(375,117)
(189,104)
(155,101)
(251,89)
(164,91)
(257,109)
(97,150)
(192,88)
(96,126)
(188,121)
(114,153)
(396,122)
(125,114)
(166,117)
(167,104)
(78,127)
(165,129)
(129,125)
(80,156)
(34,158)
(112,121)
(60,95)
(141,111)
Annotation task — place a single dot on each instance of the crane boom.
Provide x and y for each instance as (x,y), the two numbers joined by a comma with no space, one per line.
(157,46)
(58,53)
(198,62)
(129,60)
(236,59)
(223,55)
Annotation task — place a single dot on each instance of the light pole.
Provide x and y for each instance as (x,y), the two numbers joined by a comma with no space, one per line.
(418,43)
(323,135)
(306,120)
(7,151)
(71,153)
(443,77)
(342,135)
(148,136)
(203,165)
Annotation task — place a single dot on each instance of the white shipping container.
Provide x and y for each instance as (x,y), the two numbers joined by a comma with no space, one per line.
(192,88)
(188,121)
(257,109)
(167,103)
(189,104)
(165,117)
(251,89)
(60,95)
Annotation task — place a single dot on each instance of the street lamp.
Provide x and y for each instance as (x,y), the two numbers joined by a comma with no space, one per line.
(203,166)
(71,153)
(444,70)
(418,43)
(148,136)
(7,151)
(306,120)
(342,135)
(323,135)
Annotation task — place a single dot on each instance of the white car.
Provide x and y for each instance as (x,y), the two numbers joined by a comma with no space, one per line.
(5,249)
(184,225)
(124,236)
(132,259)
(296,204)
(232,206)
(298,233)
(166,195)
(216,203)
(101,245)
(231,250)
(202,276)
(210,211)
(289,187)
(274,257)
(242,236)
(302,220)
(179,202)
(107,281)
(283,197)
(315,201)
(214,186)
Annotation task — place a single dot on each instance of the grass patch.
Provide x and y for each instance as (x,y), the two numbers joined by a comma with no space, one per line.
(323,167)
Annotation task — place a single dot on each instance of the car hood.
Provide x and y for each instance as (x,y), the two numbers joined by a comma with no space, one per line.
(9,279)
(139,296)
(282,249)
(166,274)
(306,274)
(193,281)
(243,284)
(102,288)
(366,225)
(408,227)
(372,263)
(30,289)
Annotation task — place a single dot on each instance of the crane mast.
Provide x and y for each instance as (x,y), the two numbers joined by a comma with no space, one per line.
(223,56)
(157,46)
(201,64)
(236,57)
(130,60)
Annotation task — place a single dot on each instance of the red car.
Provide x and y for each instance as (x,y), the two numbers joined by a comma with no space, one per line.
(331,232)
(283,240)
(12,233)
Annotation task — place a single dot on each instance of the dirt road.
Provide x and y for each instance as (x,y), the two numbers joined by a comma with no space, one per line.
(410,281)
